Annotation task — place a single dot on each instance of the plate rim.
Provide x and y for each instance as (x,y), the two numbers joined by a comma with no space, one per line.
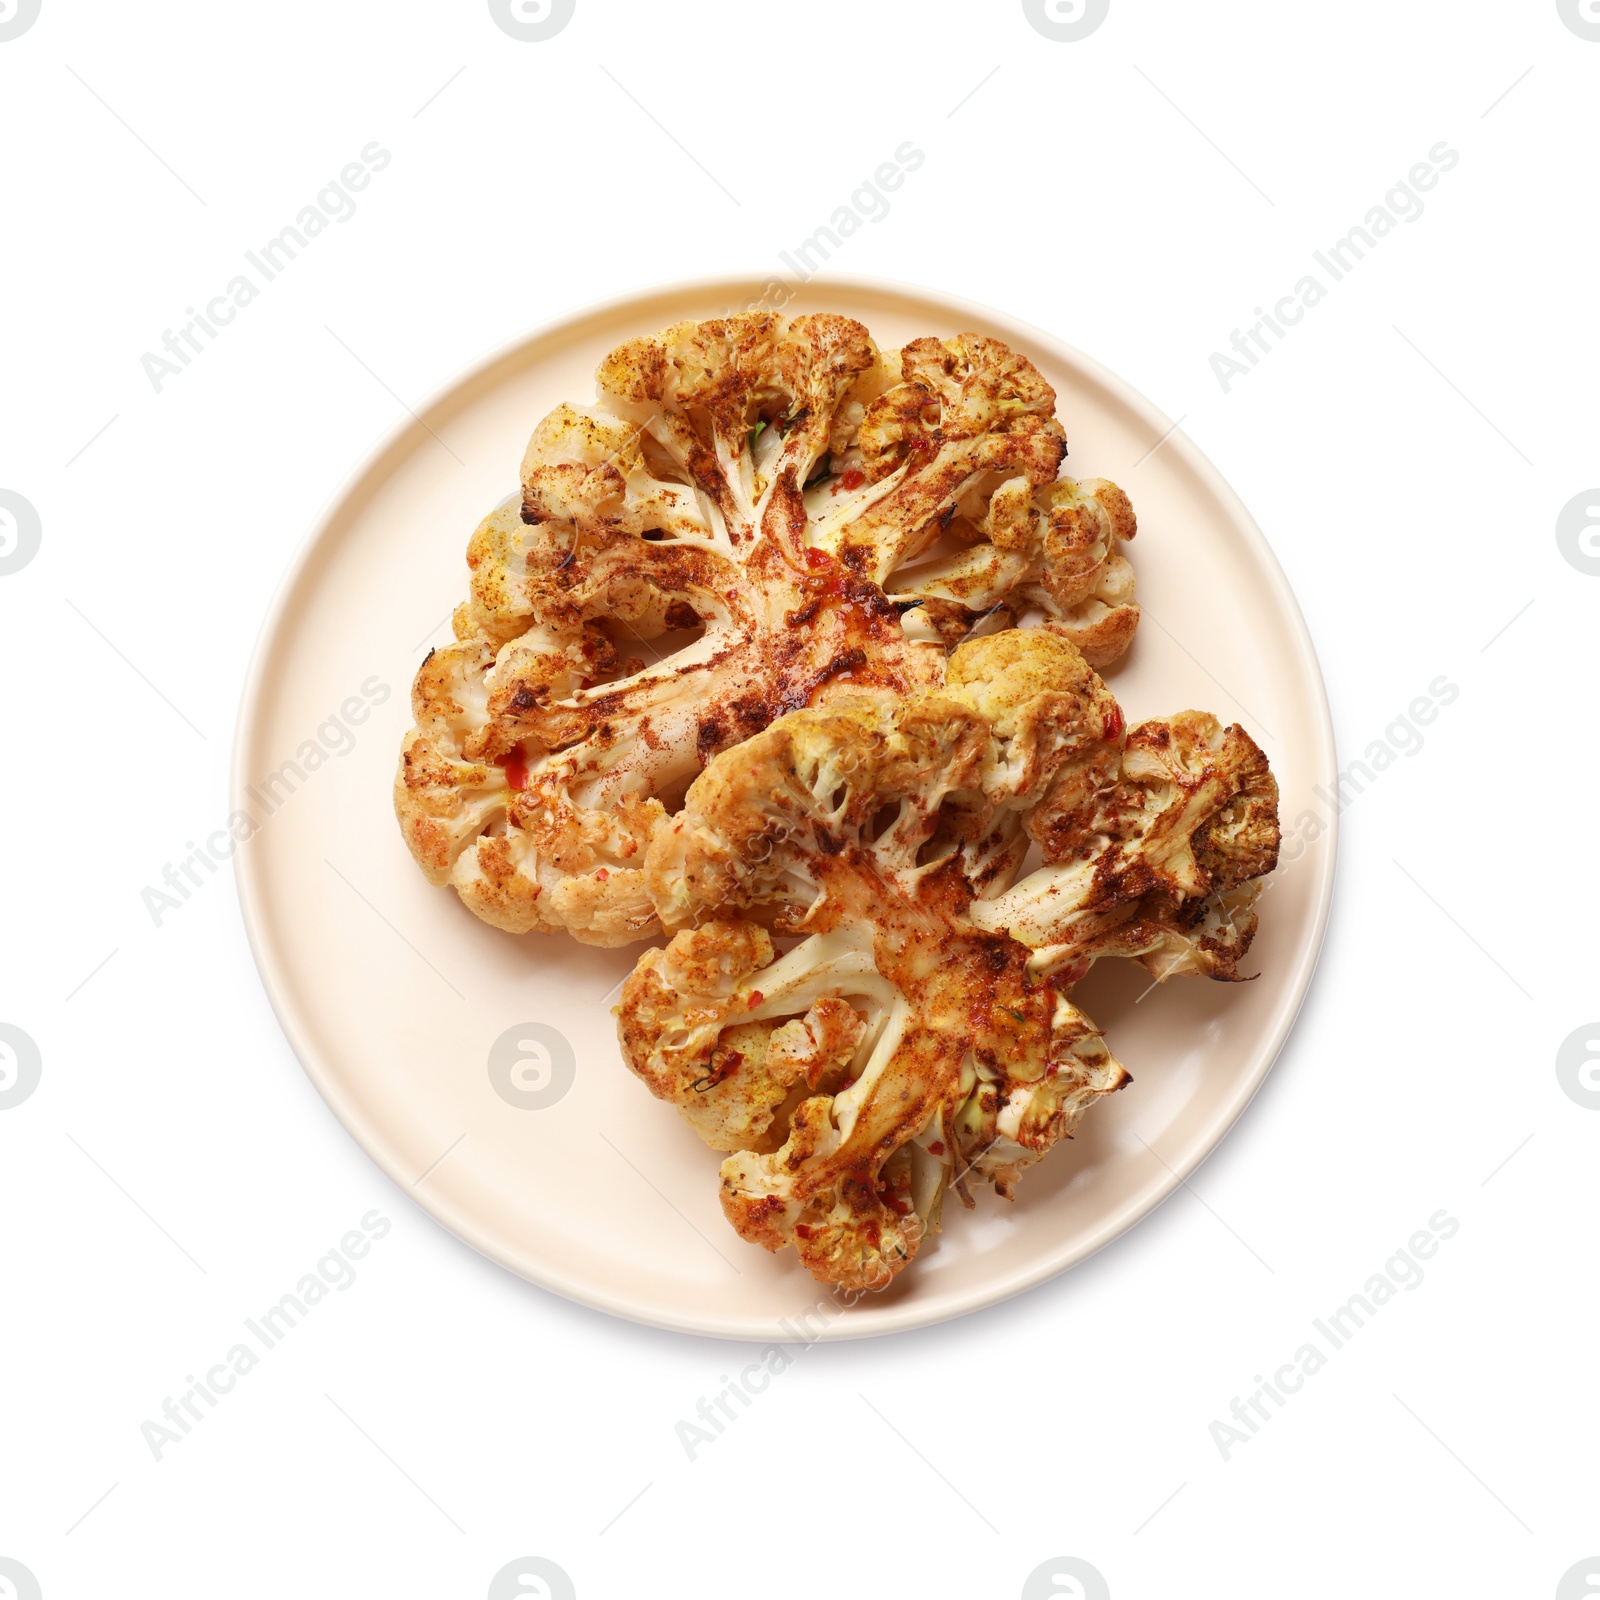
(460,1222)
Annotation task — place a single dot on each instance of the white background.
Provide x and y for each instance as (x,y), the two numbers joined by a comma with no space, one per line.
(1407,450)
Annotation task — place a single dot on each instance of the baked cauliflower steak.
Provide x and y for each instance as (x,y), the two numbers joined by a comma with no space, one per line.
(921,1032)
(755,516)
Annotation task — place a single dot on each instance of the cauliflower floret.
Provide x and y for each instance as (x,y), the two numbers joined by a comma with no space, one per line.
(886,836)
(1165,866)
(706,1041)
(1057,548)
(586,466)
(769,499)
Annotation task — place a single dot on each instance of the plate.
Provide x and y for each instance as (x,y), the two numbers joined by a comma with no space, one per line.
(481,1071)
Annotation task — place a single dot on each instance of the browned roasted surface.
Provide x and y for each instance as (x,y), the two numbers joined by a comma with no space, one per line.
(557,732)
(886,834)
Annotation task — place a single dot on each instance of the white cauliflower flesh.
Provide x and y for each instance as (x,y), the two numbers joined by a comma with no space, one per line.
(913,1038)
(775,514)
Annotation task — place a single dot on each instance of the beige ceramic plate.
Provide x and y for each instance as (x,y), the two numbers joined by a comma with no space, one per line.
(393,995)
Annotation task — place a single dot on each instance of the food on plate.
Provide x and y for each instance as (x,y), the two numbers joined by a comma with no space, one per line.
(790,650)
(921,1032)
(755,517)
